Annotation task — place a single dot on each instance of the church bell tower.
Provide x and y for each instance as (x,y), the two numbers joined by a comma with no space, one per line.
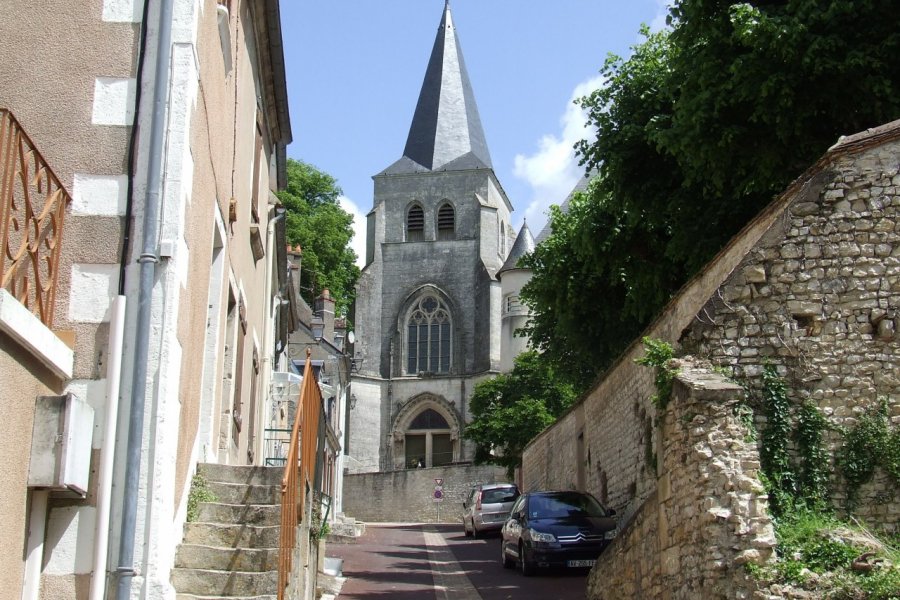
(427,312)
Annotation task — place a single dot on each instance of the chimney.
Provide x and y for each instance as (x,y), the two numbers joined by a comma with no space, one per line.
(325,312)
(295,254)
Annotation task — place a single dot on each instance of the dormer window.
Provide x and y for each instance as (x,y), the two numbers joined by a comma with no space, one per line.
(415,224)
(446,222)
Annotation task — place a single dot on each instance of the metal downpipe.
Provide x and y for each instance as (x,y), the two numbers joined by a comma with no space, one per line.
(148,259)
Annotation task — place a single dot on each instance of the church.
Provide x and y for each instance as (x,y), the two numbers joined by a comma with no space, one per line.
(438,298)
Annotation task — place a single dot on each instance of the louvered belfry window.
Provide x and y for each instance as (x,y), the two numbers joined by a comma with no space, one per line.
(415,224)
(428,338)
(446,223)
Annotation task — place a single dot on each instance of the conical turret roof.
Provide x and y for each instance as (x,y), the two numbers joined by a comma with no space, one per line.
(523,245)
(446,132)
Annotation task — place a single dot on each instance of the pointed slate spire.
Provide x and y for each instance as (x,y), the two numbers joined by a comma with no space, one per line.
(446,127)
(523,245)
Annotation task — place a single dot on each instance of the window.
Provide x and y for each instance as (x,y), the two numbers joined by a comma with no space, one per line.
(429,419)
(512,303)
(428,337)
(446,222)
(415,224)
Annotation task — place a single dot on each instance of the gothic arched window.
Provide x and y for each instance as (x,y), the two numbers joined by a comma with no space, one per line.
(446,222)
(428,336)
(415,224)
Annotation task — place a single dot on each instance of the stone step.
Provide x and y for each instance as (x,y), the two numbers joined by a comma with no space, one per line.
(226,535)
(213,583)
(239,514)
(194,556)
(248,475)
(241,493)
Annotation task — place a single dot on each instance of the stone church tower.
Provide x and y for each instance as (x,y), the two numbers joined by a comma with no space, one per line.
(429,302)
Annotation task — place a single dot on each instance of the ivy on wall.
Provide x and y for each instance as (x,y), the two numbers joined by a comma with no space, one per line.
(870,443)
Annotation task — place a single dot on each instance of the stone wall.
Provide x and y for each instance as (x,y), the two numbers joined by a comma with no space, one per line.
(708,517)
(811,284)
(818,297)
(408,496)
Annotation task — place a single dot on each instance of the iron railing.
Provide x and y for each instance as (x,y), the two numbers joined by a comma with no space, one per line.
(299,471)
(277,444)
(33,206)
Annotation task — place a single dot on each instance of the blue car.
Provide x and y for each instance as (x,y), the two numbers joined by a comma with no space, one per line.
(555,529)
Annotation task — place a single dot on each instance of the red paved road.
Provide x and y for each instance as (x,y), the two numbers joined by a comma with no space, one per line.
(438,561)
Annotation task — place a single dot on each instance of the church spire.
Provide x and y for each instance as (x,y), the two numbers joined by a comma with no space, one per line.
(446,127)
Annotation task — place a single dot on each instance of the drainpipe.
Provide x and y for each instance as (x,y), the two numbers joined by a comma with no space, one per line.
(148,259)
(104,486)
(268,336)
(34,558)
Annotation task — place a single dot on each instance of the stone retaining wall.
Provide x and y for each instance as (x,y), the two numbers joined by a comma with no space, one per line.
(408,496)
(691,537)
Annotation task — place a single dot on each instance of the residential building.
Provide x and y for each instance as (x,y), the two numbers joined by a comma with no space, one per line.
(160,129)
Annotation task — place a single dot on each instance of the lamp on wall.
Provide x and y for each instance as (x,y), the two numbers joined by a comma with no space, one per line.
(355,364)
(352,401)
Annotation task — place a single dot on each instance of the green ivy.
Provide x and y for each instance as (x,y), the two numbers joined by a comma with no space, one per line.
(198,494)
(813,480)
(870,443)
(774,455)
(658,353)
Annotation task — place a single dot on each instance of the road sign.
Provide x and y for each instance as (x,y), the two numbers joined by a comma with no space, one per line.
(438,481)
(438,494)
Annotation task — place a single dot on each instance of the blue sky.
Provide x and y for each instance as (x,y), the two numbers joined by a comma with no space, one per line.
(354,69)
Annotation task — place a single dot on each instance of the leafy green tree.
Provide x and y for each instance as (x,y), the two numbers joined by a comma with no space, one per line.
(323,230)
(510,409)
(696,132)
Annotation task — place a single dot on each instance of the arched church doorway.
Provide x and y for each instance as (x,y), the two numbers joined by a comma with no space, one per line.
(426,434)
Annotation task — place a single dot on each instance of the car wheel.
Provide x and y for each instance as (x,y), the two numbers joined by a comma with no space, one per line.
(504,558)
(527,567)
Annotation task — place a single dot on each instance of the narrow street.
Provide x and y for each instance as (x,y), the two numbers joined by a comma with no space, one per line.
(406,561)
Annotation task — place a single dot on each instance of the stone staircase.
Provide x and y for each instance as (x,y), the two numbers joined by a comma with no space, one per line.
(231,550)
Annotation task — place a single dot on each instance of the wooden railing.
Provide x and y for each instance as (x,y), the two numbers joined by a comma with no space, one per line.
(32,211)
(299,471)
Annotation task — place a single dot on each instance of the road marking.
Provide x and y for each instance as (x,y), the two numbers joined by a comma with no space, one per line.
(450,581)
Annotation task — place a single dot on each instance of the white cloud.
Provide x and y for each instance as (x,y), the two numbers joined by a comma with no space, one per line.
(358,243)
(552,171)
(662,11)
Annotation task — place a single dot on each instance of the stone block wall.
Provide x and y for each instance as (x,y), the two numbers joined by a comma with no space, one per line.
(408,496)
(708,517)
(819,297)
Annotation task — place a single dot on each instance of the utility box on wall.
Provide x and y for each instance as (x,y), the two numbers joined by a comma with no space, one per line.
(61,444)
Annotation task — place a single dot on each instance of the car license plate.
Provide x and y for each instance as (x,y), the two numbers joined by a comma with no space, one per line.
(580,563)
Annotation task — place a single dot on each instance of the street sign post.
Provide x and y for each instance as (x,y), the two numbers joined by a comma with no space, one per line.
(438,495)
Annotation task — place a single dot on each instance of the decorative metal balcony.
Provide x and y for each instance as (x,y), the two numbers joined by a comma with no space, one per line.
(33,206)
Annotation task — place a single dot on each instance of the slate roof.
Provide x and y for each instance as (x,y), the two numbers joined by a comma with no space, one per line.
(446,132)
(523,245)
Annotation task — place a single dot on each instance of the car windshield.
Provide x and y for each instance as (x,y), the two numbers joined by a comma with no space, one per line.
(498,495)
(564,505)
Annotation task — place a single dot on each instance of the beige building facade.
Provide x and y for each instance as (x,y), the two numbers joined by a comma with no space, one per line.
(165,128)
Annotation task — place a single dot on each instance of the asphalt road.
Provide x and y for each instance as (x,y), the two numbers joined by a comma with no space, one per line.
(407,561)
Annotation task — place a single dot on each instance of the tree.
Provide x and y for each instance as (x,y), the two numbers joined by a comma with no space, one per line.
(323,230)
(696,132)
(509,410)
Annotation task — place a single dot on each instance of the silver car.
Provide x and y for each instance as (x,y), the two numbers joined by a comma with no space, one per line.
(487,506)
